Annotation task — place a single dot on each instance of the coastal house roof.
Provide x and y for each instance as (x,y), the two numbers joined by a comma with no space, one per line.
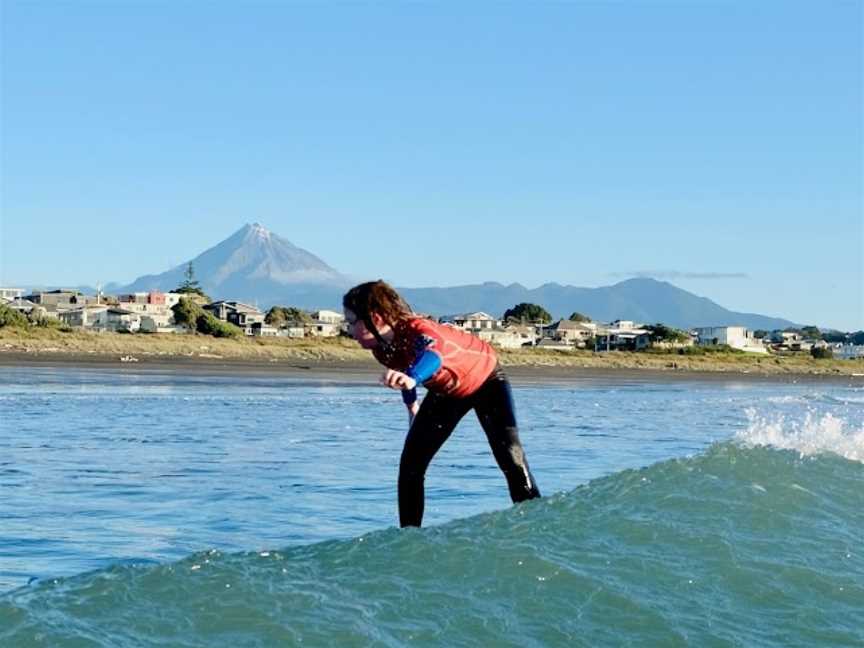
(570,325)
(236,306)
(477,315)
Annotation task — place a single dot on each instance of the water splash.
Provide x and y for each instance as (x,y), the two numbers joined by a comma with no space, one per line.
(814,434)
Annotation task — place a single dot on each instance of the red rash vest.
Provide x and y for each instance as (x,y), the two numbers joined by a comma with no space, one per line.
(466,360)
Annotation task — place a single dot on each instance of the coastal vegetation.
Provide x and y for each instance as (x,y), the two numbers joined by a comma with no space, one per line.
(189,313)
(35,342)
(283,315)
(11,317)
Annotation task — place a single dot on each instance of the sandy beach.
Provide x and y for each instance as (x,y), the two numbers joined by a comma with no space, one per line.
(343,359)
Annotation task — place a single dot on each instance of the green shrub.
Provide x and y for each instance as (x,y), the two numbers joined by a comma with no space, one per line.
(209,324)
(11,317)
(822,353)
(709,349)
(187,312)
(281,315)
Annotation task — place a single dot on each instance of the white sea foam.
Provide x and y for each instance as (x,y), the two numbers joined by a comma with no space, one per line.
(814,434)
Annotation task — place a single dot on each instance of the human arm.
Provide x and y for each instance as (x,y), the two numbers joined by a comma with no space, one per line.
(424,367)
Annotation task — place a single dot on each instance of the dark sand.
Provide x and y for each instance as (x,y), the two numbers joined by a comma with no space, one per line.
(368,372)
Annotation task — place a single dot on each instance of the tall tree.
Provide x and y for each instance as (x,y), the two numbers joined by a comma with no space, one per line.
(811,333)
(526,312)
(190,285)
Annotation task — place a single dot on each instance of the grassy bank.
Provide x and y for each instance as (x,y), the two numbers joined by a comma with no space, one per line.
(40,341)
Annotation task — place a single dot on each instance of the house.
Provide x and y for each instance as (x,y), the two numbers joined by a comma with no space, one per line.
(153,323)
(790,341)
(786,337)
(328,316)
(571,332)
(509,337)
(260,329)
(327,323)
(154,310)
(10,294)
(56,298)
(292,331)
(119,319)
(154,298)
(26,307)
(526,333)
(237,313)
(90,316)
(622,335)
(555,345)
(323,329)
(472,322)
(132,298)
(737,337)
(848,351)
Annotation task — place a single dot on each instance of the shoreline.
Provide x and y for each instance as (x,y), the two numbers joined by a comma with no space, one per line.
(328,357)
(367,371)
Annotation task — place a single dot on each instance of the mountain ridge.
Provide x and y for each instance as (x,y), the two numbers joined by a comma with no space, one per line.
(256,266)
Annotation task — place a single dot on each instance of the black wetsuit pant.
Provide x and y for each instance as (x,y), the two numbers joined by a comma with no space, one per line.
(434,423)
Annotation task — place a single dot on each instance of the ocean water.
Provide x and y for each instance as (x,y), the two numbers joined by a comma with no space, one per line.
(151,509)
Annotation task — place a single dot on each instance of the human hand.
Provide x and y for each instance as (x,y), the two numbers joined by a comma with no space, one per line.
(397,380)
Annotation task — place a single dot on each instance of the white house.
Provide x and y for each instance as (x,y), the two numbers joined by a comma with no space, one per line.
(328,316)
(11,294)
(291,332)
(848,351)
(472,322)
(323,329)
(85,317)
(260,329)
(555,345)
(508,338)
(737,337)
(119,319)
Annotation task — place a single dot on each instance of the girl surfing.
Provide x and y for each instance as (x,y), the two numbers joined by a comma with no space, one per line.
(460,372)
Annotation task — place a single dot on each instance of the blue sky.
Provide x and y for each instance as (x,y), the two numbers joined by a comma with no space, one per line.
(714,144)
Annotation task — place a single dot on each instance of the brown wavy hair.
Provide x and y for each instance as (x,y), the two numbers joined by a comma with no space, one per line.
(376,297)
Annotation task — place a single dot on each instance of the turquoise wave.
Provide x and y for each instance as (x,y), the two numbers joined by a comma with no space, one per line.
(739,546)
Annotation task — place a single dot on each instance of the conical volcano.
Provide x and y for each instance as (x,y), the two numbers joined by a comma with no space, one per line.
(255,265)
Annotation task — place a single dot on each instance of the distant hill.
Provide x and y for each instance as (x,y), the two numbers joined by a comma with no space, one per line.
(256,266)
(641,300)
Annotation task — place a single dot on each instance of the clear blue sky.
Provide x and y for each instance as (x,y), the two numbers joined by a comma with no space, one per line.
(716,144)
